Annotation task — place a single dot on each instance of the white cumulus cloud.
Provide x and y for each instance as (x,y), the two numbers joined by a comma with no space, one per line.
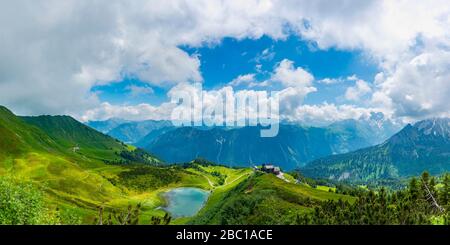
(356,92)
(291,76)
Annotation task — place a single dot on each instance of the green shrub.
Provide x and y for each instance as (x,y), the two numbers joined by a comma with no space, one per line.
(21,203)
(144,178)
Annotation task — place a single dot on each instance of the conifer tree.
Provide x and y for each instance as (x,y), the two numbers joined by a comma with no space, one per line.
(447,189)
(413,189)
(444,192)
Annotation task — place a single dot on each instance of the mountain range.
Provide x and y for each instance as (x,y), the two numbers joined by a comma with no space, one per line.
(292,147)
(423,146)
(106,125)
(353,150)
(136,132)
(74,174)
(78,169)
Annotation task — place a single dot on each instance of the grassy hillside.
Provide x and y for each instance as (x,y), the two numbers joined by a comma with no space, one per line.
(78,170)
(18,136)
(75,170)
(73,136)
(263,199)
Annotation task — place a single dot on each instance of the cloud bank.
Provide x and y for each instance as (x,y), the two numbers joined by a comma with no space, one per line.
(54,52)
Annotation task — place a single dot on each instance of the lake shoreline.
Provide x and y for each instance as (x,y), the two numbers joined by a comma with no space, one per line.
(184,202)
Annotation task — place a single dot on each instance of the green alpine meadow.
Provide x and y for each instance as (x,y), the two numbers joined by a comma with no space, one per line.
(76,175)
(56,170)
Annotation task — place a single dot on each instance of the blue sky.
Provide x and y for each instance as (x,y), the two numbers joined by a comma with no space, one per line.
(223,62)
(339,59)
